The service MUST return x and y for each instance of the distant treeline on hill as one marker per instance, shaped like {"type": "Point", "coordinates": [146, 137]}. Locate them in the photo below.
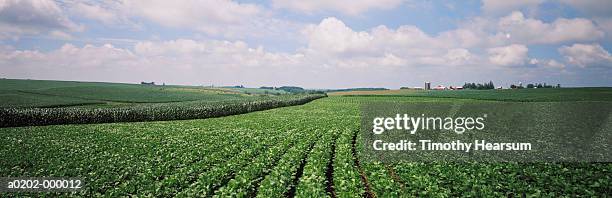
{"type": "Point", "coordinates": [488, 85]}
{"type": "Point", "coordinates": [291, 89]}
{"type": "Point", "coordinates": [357, 89]}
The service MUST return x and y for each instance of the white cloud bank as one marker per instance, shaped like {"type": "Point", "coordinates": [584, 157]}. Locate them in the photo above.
{"type": "Point", "coordinates": [381, 46]}
{"type": "Point", "coordinates": [586, 55]}
{"type": "Point", "coordinates": [335, 56]}
{"type": "Point", "coordinates": [332, 49]}
{"type": "Point", "coordinates": [532, 31]}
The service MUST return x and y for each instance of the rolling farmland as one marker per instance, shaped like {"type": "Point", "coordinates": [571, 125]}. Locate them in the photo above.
{"type": "Point", "coordinates": [308, 150]}
{"type": "Point", "coordinates": [30, 102]}
{"type": "Point", "coordinates": [290, 98]}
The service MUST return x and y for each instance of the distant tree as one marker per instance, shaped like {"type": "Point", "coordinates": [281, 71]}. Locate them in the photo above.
{"type": "Point", "coordinates": [530, 86]}
{"type": "Point", "coordinates": [292, 89]}
{"type": "Point", "coordinates": [479, 86]}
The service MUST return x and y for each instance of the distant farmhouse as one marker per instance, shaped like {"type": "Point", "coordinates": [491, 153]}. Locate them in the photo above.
{"type": "Point", "coordinates": [439, 87]}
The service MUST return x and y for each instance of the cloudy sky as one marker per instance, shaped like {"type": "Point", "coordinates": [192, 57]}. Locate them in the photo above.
{"type": "Point", "coordinates": [314, 43]}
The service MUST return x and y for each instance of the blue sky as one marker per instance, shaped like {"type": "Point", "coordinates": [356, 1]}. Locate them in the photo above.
{"type": "Point", "coordinates": [314, 44]}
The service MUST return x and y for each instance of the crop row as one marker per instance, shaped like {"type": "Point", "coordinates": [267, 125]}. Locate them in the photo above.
{"type": "Point", "coordinates": [275, 168]}
{"type": "Point", "coordinates": [381, 182]}
{"type": "Point", "coordinates": [281, 179]}
{"type": "Point", "coordinates": [347, 179]}
{"type": "Point", "coordinates": [318, 169]}
{"type": "Point", "coordinates": [210, 181]}
{"type": "Point", "coordinates": [12, 117]}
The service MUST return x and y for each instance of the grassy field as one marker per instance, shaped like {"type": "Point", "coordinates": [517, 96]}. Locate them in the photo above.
{"type": "Point", "coordinates": [305, 151]}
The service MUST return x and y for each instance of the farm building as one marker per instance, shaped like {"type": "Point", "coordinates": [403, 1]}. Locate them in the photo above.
{"type": "Point", "coordinates": [440, 87]}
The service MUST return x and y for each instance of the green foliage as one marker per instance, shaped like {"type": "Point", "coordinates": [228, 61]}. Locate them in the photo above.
{"type": "Point", "coordinates": [314, 182]}
{"type": "Point", "coordinates": [479, 86]}
{"type": "Point", "coordinates": [10, 117]}
{"type": "Point", "coordinates": [292, 89]}
{"type": "Point", "coordinates": [347, 181]}
{"type": "Point", "coordinates": [260, 154]}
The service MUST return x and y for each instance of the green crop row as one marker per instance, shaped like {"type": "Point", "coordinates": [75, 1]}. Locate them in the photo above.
{"type": "Point", "coordinates": [380, 179]}
{"type": "Point", "coordinates": [347, 181]}
{"type": "Point", "coordinates": [208, 182]}
{"type": "Point", "coordinates": [246, 180]}
{"type": "Point", "coordinates": [11, 117]}
{"type": "Point", "coordinates": [314, 181]}
{"type": "Point", "coordinates": [281, 178]}
{"type": "Point", "coordinates": [177, 174]}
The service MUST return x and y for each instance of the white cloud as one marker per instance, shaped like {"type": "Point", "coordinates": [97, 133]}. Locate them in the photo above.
{"type": "Point", "coordinates": [532, 31]}
{"type": "Point", "coordinates": [586, 55]}
{"type": "Point", "coordinates": [332, 41]}
{"type": "Point", "coordinates": [349, 7]}
{"type": "Point", "coordinates": [504, 6]}
{"type": "Point", "coordinates": [33, 17]}
{"type": "Point", "coordinates": [511, 55]}
{"type": "Point", "coordinates": [333, 36]}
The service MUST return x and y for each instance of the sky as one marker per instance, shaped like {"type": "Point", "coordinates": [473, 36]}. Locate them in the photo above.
{"type": "Point", "coordinates": [312, 44]}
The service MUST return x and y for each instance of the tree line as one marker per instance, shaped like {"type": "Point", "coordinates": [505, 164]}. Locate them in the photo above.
{"type": "Point", "coordinates": [480, 86]}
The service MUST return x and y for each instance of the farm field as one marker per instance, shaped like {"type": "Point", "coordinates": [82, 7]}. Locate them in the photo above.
{"type": "Point", "coordinates": [308, 150]}
{"type": "Point", "coordinates": [520, 95]}
{"type": "Point", "coordinates": [45, 93]}
{"type": "Point", "coordinates": [36, 102]}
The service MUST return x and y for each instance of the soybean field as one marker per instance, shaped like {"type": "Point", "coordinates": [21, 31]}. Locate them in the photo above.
{"type": "Point", "coordinates": [309, 150]}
